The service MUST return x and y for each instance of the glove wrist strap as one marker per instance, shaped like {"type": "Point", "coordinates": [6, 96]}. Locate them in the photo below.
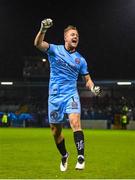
{"type": "Point", "coordinates": [43, 30]}
{"type": "Point", "coordinates": [92, 88]}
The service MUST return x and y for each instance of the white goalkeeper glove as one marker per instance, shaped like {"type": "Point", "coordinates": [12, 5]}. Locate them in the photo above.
{"type": "Point", "coordinates": [45, 24]}
{"type": "Point", "coordinates": [96, 90]}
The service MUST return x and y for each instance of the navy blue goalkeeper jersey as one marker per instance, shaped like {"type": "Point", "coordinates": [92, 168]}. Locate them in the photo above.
{"type": "Point", "coordinates": [65, 68]}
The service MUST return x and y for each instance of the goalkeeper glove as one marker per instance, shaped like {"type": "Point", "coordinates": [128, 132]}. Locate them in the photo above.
{"type": "Point", "coordinates": [96, 90]}
{"type": "Point", "coordinates": [45, 24]}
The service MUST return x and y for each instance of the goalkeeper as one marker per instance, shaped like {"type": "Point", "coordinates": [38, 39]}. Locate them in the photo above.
{"type": "Point", "coordinates": [65, 66]}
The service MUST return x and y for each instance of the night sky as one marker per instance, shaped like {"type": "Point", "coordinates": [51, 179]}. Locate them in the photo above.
{"type": "Point", "coordinates": [106, 28]}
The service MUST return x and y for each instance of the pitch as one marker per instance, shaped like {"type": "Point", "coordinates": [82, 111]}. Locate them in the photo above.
{"type": "Point", "coordinates": [30, 153]}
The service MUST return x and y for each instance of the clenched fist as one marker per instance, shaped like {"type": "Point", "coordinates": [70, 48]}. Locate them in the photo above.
{"type": "Point", "coordinates": [45, 24]}
{"type": "Point", "coordinates": [96, 90]}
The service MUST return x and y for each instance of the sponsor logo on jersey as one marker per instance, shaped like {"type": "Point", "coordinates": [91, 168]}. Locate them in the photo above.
{"type": "Point", "coordinates": [64, 64]}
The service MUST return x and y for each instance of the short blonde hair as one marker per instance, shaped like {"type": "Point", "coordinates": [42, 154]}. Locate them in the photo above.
{"type": "Point", "coordinates": [70, 27]}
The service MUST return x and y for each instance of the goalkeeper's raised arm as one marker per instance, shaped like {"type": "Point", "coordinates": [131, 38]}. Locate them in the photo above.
{"type": "Point", "coordinates": [39, 41]}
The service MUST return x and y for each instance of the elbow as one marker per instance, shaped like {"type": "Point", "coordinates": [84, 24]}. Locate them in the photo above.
{"type": "Point", "coordinates": [37, 45]}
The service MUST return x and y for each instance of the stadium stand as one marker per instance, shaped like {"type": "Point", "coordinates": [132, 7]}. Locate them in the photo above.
{"type": "Point", "coordinates": [26, 104]}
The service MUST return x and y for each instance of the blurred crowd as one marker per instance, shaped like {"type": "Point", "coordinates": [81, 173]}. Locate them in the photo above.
{"type": "Point", "coordinates": [27, 105]}
{"type": "Point", "coordinates": [32, 111]}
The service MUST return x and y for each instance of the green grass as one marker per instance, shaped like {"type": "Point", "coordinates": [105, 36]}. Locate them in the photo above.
{"type": "Point", "coordinates": [30, 153]}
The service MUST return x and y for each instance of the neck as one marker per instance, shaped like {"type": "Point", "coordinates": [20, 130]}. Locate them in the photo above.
{"type": "Point", "coordinates": [70, 49]}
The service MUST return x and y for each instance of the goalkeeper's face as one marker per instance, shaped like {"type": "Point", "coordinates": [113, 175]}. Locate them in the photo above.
{"type": "Point", "coordinates": [71, 39]}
